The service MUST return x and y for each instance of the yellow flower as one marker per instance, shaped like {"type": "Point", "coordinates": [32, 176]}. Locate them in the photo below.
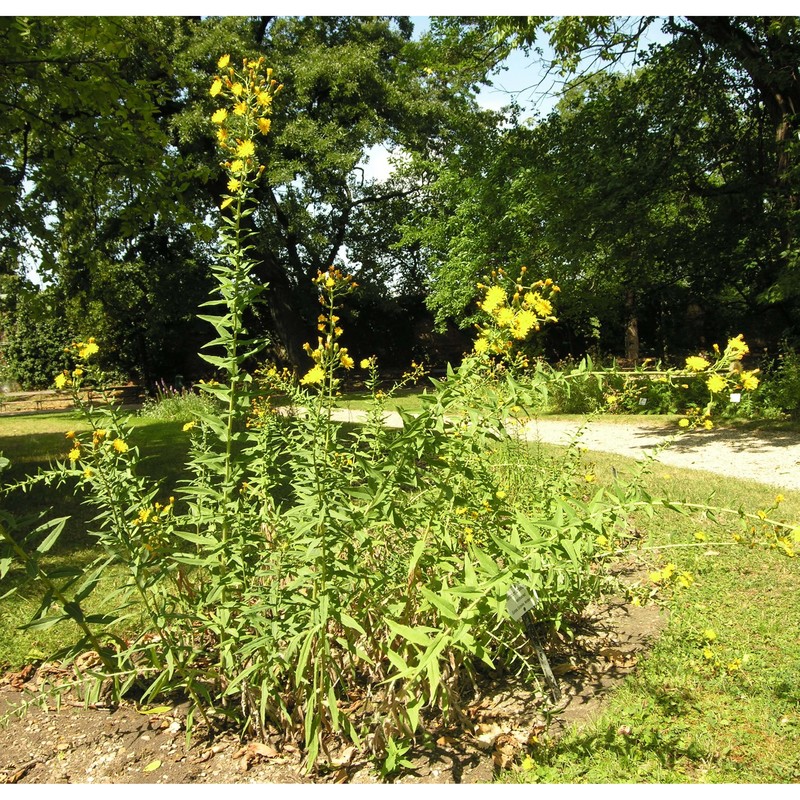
{"type": "Point", "coordinates": [696, 363]}
{"type": "Point", "coordinates": [684, 423]}
{"type": "Point", "coordinates": [87, 473]}
{"type": "Point", "coordinates": [495, 297]}
{"type": "Point", "coordinates": [738, 346]}
{"type": "Point", "coordinates": [219, 116]}
{"type": "Point", "coordinates": [778, 499]}
{"type": "Point", "coordinates": [544, 308]}
{"type": "Point", "coordinates": [223, 61]}
{"type": "Point", "coordinates": [189, 425]}
{"type": "Point", "coordinates": [246, 149]}
{"type": "Point", "coordinates": [365, 363]}
{"type": "Point", "coordinates": [234, 185]}
{"type": "Point", "coordinates": [505, 316]}
{"type": "Point", "coordinates": [264, 125]}
{"type": "Point", "coordinates": [61, 381]}
{"type": "Point", "coordinates": [523, 323]}
{"type": "Point", "coordinates": [120, 446]}
{"type": "Point", "coordinates": [590, 477]}
{"type": "Point", "coordinates": [716, 383]}
{"type": "Point", "coordinates": [76, 373]}
{"type": "Point", "coordinates": [216, 87]}
{"type": "Point", "coordinates": [237, 89]}
{"type": "Point", "coordinates": [315, 375]}
{"type": "Point", "coordinates": [69, 435]}
{"type": "Point", "coordinates": [347, 362]}
{"type": "Point", "coordinates": [749, 381]}
{"type": "Point", "coordinates": [264, 99]}
{"type": "Point", "coordinates": [74, 454]}
{"type": "Point", "coordinates": [709, 634]}
{"type": "Point", "coordinates": [708, 424]}
{"type": "Point", "coordinates": [240, 109]}
{"type": "Point", "coordinates": [89, 349]}
{"type": "Point", "coordinates": [237, 165]}
{"type": "Point", "coordinates": [222, 135]}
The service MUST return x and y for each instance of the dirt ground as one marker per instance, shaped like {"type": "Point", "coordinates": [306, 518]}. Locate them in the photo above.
{"type": "Point", "coordinates": [124, 745]}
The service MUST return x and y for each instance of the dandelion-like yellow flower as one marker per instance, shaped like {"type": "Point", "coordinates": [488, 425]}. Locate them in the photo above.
{"type": "Point", "coordinates": [222, 135]}
{"type": "Point", "coordinates": [216, 87]}
{"type": "Point", "coordinates": [219, 116]}
{"type": "Point", "coordinates": [246, 149]}
{"type": "Point", "coordinates": [524, 323]}
{"type": "Point", "coordinates": [237, 165]}
{"type": "Point", "coordinates": [708, 424]}
{"type": "Point", "coordinates": [120, 446]}
{"type": "Point", "coordinates": [346, 361]}
{"type": "Point", "coordinates": [234, 185]}
{"type": "Point", "coordinates": [365, 363]}
{"type": "Point", "coordinates": [504, 317]}
{"type": "Point", "coordinates": [481, 345]}
{"type": "Point", "coordinates": [716, 383]}
{"type": "Point", "coordinates": [87, 473]}
{"type": "Point", "coordinates": [749, 381]}
{"type": "Point", "coordinates": [240, 109]}
{"type": "Point", "coordinates": [495, 297]}
{"type": "Point", "coordinates": [74, 454]}
{"type": "Point", "coordinates": [223, 61]}
{"type": "Point", "coordinates": [684, 423]}
{"type": "Point", "coordinates": [315, 375]}
{"type": "Point", "coordinates": [738, 346]}
{"type": "Point", "coordinates": [264, 124]}
{"type": "Point", "coordinates": [237, 89]}
{"type": "Point", "coordinates": [61, 381]}
{"type": "Point", "coordinates": [189, 425]}
{"type": "Point", "coordinates": [264, 99]}
{"type": "Point", "coordinates": [697, 363]}
{"type": "Point", "coordinates": [89, 349]}
{"type": "Point", "coordinates": [544, 308]}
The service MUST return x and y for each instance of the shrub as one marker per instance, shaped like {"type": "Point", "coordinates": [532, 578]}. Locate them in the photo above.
{"type": "Point", "coordinates": [308, 570]}
{"type": "Point", "coordinates": [169, 404]}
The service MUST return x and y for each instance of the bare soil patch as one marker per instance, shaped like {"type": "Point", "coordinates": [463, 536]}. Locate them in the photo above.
{"type": "Point", "coordinates": [75, 744]}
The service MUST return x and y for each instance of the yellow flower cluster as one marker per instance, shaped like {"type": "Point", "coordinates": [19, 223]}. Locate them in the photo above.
{"type": "Point", "coordinates": [514, 316]}
{"type": "Point", "coordinates": [724, 375]}
{"type": "Point", "coordinates": [82, 351]}
{"type": "Point", "coordinates": [329, 354]}
{"type": "Point", "coordinates": [249, 93]}
{"type": "Point", "coordinates": [98, 437]}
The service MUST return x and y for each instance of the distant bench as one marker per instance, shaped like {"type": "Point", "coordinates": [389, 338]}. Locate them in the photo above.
{"type": "Point", "coordinates": [49, 400]}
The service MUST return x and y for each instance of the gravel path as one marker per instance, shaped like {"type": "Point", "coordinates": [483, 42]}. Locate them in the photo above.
{"type": "Point", "coordinates": [766, 457]}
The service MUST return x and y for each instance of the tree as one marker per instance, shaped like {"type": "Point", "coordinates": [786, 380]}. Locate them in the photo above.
{"type": "Point", "coordinates": [641, 193]}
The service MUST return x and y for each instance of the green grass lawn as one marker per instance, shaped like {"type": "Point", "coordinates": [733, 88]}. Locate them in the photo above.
{"type": "Point", "coordinates": [701, 707]}
{"type": "Point", "coordinates": [718, 698]}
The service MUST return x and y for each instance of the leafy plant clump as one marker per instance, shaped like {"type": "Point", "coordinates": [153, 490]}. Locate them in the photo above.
{"type": "Point", "coordinates": [169, 404]}
{"type": "Point", "coordinates": [314, 580]}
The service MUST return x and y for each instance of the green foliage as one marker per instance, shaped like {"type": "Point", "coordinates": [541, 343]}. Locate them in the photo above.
{"type": "Point", "coordinates": [177, 405]}
{"type": "Point", "coordinates": [36, 336]}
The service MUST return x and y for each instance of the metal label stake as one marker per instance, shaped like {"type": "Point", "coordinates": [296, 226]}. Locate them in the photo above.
{"type": "Point", "coordinates": [520, 606]}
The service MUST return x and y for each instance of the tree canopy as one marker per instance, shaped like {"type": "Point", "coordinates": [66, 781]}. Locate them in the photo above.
{"type": "Point", "coordinates": [645, 192]}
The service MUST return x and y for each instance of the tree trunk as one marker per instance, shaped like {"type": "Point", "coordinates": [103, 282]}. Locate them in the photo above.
{"type": "Point", "coordinates": [631, 329]}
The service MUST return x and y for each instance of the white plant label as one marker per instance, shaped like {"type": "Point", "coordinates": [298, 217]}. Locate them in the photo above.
{"type": "Point", "coordinates": [642, 401]}
{"type": "Point", "coordinates": [736, 397]}
{"type": "Point", "coordinates": [519, 601]}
